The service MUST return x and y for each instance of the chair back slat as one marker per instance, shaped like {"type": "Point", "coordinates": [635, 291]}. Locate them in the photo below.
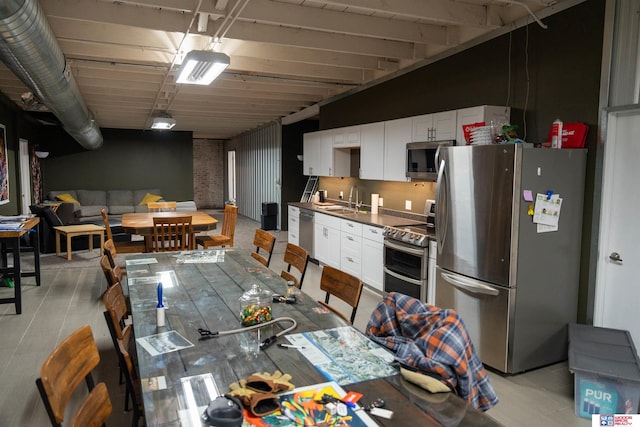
{"type": "Point", "coordinates": [298, 258]}
{"type": "Point", "coordinates": [162, 207]}
{"type": "Point", "coordinates": [113, 275]}
{"type": "Point", "coordinates": [172, 234]}
{"type": "Point", "coordinates": [265, 241]}
{"type": "Point", "coordinates": [342, 285]}
{"type": "Point", "coordinates": [227, 232]}
{"type": "Point", "coordinates": [67, 366]}
{"type": "Point", "coordinates": [229, 222]}
{"type": "Point", "coordinates": [107, 227]}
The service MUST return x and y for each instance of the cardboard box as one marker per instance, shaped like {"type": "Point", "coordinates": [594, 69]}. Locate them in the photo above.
{"type": "Point", "coordinates": [607, 371]}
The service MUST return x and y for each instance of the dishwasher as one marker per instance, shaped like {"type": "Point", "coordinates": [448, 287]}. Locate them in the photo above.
{"type": "Point", "coordinates": [306, 231]}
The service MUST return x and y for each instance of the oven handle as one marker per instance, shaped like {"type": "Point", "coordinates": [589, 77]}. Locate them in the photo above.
{"type": "Point", "coordinates": [470, 285]}
{"type": "Point", "coordinates": [403, 278]}
{"type": "Point", "coordinates": [403, 248]}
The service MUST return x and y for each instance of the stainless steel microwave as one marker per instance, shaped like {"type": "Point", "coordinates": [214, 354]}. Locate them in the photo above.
{"type": "Point", "coordinates": [421, 159]}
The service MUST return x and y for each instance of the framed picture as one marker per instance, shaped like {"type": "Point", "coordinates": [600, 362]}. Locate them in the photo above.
{"type": "Point", "coordinates": [4, 167]}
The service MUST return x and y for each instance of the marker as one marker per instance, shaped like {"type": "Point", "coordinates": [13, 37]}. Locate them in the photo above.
{"type": "Point", "coordinates": [291, 346]}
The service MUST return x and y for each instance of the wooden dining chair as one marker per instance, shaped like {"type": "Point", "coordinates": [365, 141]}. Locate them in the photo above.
{"type": "Point", "coordinates": [121, 334]}
{"type": "Point", "coordinates": [297, 257]}
{"type": "Point", "coordinates": [72, 361]}
{"type": "Point", "coordinates": [342, 285]}
{"type": "Point", "coordinates": [113, 275]}
{"type": "Point", "coordinates": [265, 241]}
{"type": "Point", "coordinates": [162, 207]}
{"type": "Point", "coordinates": [225, 238]}
{"type": "Point", "coordinates": [172, 234]}
{"type": "Point", "coordinates": [125, 247]}
{"type": "Point", "coordinates": [111, 253]}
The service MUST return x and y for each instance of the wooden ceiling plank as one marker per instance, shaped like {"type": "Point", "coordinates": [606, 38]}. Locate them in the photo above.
{"type": "Point", "coordinates": [311, 18]}
{"type": "Point", "coordinates": [445, 12]}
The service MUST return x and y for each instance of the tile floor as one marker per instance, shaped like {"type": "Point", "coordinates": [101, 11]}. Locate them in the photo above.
{"type": "Point", "coordinates": [70, 297]}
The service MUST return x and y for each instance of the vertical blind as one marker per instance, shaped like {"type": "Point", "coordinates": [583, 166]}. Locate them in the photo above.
{"type": "Point", "coordinates": [258, 165]}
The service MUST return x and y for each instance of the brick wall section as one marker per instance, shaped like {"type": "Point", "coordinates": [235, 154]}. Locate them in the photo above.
{"type": "Point", "coordinates": [208, 173]}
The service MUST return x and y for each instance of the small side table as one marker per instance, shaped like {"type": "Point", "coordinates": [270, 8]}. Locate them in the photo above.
{"type": "Point", "coordinates": [78, 230]}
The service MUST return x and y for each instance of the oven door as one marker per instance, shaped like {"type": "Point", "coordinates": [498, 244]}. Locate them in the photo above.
{"type": "Point", "coordinates": [405, 269]}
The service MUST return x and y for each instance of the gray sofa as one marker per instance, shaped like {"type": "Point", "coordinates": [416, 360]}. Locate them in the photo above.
{"type": "Point", "coordinates": [116, 202]}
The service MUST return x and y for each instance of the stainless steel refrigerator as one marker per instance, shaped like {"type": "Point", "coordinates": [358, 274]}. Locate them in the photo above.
{"type": "Point", "coordinates": [514, 283]}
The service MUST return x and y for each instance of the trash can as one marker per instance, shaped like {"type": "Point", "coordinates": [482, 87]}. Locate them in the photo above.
{"type": "Point", "coordinates": [269, 217]}
{"type": "Point", "coordinates": [606, 368]}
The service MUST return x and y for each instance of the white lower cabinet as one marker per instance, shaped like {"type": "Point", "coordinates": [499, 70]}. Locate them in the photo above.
{"type": "Point", "coordinates": [351, 247]}
{"type": "Point", "coordinates": [372, 256]}
{"type": "Point", "coordinates": [294, 225]}
{"type": "Point", "coordinates": [326, 239]}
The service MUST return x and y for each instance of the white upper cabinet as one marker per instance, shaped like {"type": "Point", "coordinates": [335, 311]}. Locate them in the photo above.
{"type": "Point", "coordinates": [396, 135]}
{"type": "Point", "coordinates": [482, 113]}
{"type": "Point", "coordinates": [434, 127]}
{"type": "Point", "coordinates": [372, 151]}
{"type": "Point", "coordinates": [346, 137]}
{"type": "Point", "coordinates": [319, 157]}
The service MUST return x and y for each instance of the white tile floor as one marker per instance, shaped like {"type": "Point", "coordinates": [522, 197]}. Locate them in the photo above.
{"type": "Point", "coordinates": [70, 297]}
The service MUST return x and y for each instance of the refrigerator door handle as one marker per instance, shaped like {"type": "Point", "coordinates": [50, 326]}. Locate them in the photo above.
{"type": "Point", "coordinates": [469, 285]}
{"type": "Point", "coordinates": [441, 208]}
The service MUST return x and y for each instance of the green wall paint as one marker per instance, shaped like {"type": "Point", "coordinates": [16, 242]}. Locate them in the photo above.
{"type": "Point", "coordinates": [128, 160]}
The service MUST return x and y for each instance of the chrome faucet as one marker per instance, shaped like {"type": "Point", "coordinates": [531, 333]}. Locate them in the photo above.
{"type": "Point", "coordinates": [353, 187]}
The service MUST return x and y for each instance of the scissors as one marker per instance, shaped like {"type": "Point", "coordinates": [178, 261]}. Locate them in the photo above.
{"type": "Point", "coordinates": [205, 334]}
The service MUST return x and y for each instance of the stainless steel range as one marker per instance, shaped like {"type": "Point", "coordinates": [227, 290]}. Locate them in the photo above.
{"type": "Point", "coordinates": [406, 257]}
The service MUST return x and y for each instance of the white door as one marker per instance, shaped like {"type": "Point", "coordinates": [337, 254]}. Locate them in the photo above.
{"type": "Point", "coordinates": [617, 295]}
{"type": "Point", "coordinates": [231, 176]}
{"type": "Point", "coordinates": [25, 176]}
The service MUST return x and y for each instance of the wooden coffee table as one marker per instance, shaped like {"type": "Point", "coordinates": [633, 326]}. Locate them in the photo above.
{"type": "Point", "coordinates": [78, 230]}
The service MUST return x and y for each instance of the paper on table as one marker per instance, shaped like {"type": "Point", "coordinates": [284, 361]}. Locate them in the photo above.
{"type": "Point", "coordinates": [165, 342]}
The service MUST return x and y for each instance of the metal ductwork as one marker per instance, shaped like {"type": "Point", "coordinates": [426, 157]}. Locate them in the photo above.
{"type": "Point", "coordinates": [29, 48]}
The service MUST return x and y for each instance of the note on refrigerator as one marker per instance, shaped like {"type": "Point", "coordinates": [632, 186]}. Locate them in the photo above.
{"type": "Point", "coordinates": [547, 212]}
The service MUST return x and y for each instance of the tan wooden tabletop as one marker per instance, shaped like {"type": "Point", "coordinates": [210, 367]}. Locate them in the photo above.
{"type": "Point", "coordinates": [142, 222]}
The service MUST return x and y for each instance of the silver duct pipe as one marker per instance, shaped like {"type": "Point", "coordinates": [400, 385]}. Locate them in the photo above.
{"type": "Point", "coordinates": [29, 48]}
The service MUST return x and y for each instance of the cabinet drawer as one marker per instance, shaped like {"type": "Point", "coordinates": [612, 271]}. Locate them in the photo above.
{"type": "Point", "coordinates": [351, 227]}
{"type": "Point", "coordinates": [328, 221]}
{"type": "Point", "coordinates": [351, 265]}
{"type": "Point", "coordinates": [294, 210]}
{"type": "Point", "coordinates": [352, 242]}
{"type": "Point", "coordinates": [371, 232]}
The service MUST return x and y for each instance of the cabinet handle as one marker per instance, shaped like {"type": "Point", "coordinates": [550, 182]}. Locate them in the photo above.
{"type": "Point", "coordinates": [350, 225]}
{"type": "Point", "coordinates": [349, 259]}
{"type": "Point", "coordinates": [350, 238]}
{"type": "Point", "coordinates": [374, 231]}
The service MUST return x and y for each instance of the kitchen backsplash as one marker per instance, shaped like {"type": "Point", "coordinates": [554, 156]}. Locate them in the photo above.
{"type": "Point", "coordinates": [394, 194]}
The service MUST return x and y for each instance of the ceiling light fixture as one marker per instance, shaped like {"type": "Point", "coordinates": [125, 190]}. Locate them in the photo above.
{"type": "Point", "coordinates": [163, 123]}
{"type": "Point", "coordinates": [201, 67]}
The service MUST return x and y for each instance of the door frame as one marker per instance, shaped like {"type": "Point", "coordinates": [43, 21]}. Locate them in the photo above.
{"type": "Point", "coordinates": [606, 211]}
{"type": "Point", "coordinates": [25, 176]}
{"type": "Point", "coordinates": [231, 176]}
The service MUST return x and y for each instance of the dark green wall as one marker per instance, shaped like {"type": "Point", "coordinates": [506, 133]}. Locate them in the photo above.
{"type": "Point", "coordinates": [563, 71]}
{"type": "Point", "coordinates": [293, 180]}
{"type": "Point", "coordinates": [128, 159]}
{"type": "Point", "coordinates": [17, 125]}
{"type": "Point", "coordinates": [554, 73]}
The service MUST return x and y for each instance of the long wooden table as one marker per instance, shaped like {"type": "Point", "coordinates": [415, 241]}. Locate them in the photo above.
{"type": "Point", "coordinates": [141, 223]}
{"type": "Point", "coordinates": [206, 295]}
